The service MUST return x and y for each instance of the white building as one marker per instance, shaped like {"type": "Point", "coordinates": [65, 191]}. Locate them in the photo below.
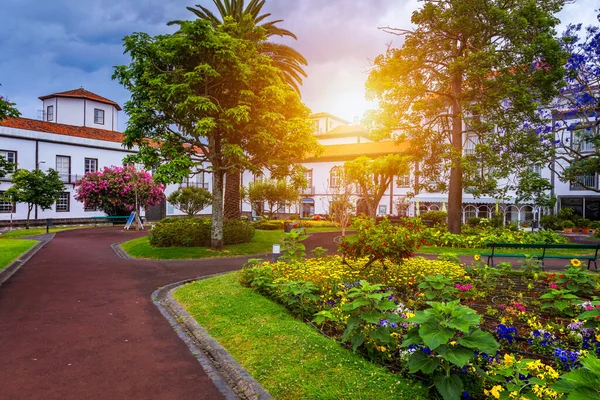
{"type": "Point", "coordinates": [77, 133]}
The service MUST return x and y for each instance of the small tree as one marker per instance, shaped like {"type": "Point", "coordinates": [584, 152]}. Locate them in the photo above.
{"type": "Point", "coordinates": [119, 190]}
{"type": "Point", "coordinates": [275, 193]}
{"type": "Point", "coordinates": [342, 200]}
{"type": "Point", "coordinates": [36, 187]}
{"type": "Point", "coordinates": [374, 176]}
{"type": "Point", "coordinates": [5, 167]}
{"type": "Point", "coordinates": [190, 200]}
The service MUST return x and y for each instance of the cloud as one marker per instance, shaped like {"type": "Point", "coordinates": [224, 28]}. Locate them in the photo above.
{"type": "Point", "coordinates": [66, 44]}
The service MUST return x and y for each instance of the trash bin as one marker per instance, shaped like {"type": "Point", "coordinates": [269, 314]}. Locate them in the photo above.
{"type": "Point", "coordinates": [535, 224]}
{"type": "Point", "coordinates": [288, 226]}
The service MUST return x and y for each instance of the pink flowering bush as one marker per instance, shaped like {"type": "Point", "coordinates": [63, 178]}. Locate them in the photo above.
{"type": "Point", "coordinates": [113, 190]}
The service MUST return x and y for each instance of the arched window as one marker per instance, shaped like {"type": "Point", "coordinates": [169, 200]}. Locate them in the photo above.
{"type": "Point", "coordinates": [334, 177]}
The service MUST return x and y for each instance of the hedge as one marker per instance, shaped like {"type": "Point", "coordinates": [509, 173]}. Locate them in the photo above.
{"type": "Point", "coordinates": [195, 232]}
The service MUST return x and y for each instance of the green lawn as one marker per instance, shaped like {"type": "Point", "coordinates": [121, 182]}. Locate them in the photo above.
{"type": "Point", "coordinates": [11, 249]}
{"type": "Point", "coordinates": [472, 252]}
{"type": "Point", "coordinates": [19, 233]}
{"type": "Point", "coordinates": [262, 243]}
{"type": "Point", "coordinates": [289, 358]}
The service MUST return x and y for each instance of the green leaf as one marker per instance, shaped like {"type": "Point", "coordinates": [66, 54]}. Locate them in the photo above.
{"type": "Point", "coordinates": [352, 323]}
{"type": "Point", "coordinates": [480, 340]}
{"type": "Point", "coordinates": [457, 355]}
{"type": "Point", "coordinates": [356, 341]}
{"type": "Point", "coordinates": [419, 361]}
{"type": "Point", "coordinates": [382, 335]}
{"type": "Point", "coordinates": [561, 304]}
{"type": "Point", "coordinates": [372, 316]}
{"type": "Point", "coordinates": [590, 314]}
{"type": "Point", "coordinates": [450, 387]}
{"type": "Point", "coordinates": [573, 380]}
{"type": "Point", "coordinates": [386, 305]}
{"type": "Point", "coordinates": [434, 335]}
{"type": "Point", "coordinates": [593, 364]}
{"type": "Point", "coordinates": [412, 338]}
{"type": "Point", "coordinates": [464, 322]}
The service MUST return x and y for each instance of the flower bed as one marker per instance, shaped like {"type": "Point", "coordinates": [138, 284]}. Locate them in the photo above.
{"type": "Point", "coordinates": [468, 332]}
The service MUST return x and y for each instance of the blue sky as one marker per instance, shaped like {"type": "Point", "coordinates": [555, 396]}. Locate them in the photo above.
{"type": "Point", "coordinates": [60, 45]}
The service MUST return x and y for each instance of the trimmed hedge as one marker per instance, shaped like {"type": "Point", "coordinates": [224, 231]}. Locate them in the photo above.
{"type": "Point", "coordinates": [195, 232]}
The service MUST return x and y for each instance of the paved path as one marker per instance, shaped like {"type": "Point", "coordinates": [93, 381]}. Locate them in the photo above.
{"type": "Point", "coordinates": [77, 322]}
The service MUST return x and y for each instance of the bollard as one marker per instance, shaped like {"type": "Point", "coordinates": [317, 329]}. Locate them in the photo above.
{"type": "Point", "coordinates": [276, 252]}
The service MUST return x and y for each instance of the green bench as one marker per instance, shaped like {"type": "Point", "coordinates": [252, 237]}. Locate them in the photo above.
{"type": "Point", "coordinates": [113, 219]}
{"type": "Point", "coordinates": [543, 247]}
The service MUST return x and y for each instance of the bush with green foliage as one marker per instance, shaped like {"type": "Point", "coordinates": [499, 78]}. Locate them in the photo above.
{"type": "Point", "coordinates": [568, 224]}
{"type": "Point", "coordinates": [195, 232]}
{"type": "Point", "coordinates": [436, 217]}
{"type": "Point", "coordinates": [550, 222]}
{"type": "Point", "coordinates": [190, 200]}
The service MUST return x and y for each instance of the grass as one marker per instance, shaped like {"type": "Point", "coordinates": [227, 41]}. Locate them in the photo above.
{"type": "Point", "coordinates": [471, 252]}
{"type": "Point", "coordinates": [11, 249]}
{"type": "Point", "coordinates": [19, 233]}
{"type": "Point", "coordinates": [289, 358]}
{"type": "Point", "coordinates": [262, 243]}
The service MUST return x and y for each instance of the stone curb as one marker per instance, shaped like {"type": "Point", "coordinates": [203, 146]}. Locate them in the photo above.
{"type": "Point", "coordinates": [13, 267]}
{"type": "Point", "coordinates": [232, 380]}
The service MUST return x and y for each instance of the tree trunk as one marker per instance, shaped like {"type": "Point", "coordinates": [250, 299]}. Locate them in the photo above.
{"type": "Point", "coordinates": [456, 178]}
{"type": "Point", "coordinates": [232, 195]}
{"type": "Point", "coordinates": [28, 215]}
{"type": "Point", "coordinates": [216, 234]}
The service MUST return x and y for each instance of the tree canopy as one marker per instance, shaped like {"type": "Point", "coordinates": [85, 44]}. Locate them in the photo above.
{"type": "Point", "coordinates": [7, 110]}
{"type": "Point", "coordinates": [275, 193]}
{"type": "Point", "coordinates": [35, 188]}
{"type": "Point", "coordinates": [206, 93]}
{"type": "Point", "coordinates": [460, 87]}
{"type": "Point", "coordinates": [373, 177]}
{"type": "Point", "coordinates": [190, 200]}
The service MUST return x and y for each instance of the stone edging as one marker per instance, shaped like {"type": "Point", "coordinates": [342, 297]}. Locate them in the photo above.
{"type": "Point", "coordinates": [13, 267]}
{"type": "Point", "coordinates": [232, 380]}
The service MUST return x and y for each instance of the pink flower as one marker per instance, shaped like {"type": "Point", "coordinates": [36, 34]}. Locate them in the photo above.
{"type": "Point", "coordinates": [553, 286]}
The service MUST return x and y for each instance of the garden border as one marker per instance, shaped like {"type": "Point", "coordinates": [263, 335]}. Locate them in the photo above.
{"type": "Point", "coordinates": [14, 266]}
{"type": "Point", "coordinates": [232, 380]}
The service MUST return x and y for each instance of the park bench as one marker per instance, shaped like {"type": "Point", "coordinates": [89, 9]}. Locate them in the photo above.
{"type": "Point", "coordinates": [543, 248]}
{"type": "Point", "coordinates": [114, 219]}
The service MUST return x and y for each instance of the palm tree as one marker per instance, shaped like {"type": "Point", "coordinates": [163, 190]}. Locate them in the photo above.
{"type": "Point", "coordinates": [284, 57]}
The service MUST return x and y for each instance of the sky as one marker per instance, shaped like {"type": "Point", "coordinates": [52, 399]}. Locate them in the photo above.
{"type": "Point", "coordinates": [49, 47]}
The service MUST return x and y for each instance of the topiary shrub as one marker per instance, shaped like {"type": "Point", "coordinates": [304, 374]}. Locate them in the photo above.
{"type": "Point", "coordinates": [195, 232]}
{"type": "Point", "coordinates": [436, 217]}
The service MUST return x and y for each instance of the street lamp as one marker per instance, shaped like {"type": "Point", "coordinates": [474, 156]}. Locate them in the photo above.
{"type": "Point", "coordinates": [37, 166]}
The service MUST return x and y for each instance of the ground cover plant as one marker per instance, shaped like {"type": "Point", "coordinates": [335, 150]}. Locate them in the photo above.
{"type": "Point", "coordinates": [262, 243]}
{"type": "Point", "coordinates": [465, 331]}
{"type": "Point", "coordinates": [290, 359]}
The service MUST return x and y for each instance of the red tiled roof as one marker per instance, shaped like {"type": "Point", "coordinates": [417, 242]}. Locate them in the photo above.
{"type": "Point", "coordinates": [81, 93]}
{"type": "Point", "coordinates": [63, 129]}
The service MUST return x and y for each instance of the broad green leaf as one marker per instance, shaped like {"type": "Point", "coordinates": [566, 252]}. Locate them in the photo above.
{"type": "Point", "coordinates": [356, 341]}
{"type": "Point", "coordinates": [464, 322]}
{"type": "Point", "coordinates": [412, 338]}
{"type": "Point", "coordinates": [386, 305]}
{"type": "Point", "coordinates": [419, 361]}
{"type": "Point", "coordinates": [372, 316]}
{"type": "Point", "coordinates": [382, 335]}
{"type": "Point", "coordinates": [457, 355]}
{"type": "Point", "coordinates": [573, 380]}
{"type": "Point", "coordinates": [434, 335]}
{"type": "Point", "coordinates": [590, 314]}
{"type": "Point", "coordinates": [480, 340]}
{"type": "Point", "coordinates": [450, 387]}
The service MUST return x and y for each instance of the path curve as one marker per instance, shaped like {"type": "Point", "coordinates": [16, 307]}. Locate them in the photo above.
{"type": "Point", "coordinates": [78, 322]}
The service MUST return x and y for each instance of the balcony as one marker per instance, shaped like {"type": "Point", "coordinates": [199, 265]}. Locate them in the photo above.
{"type": "Point", "coordinates": [201, 185]}
{"type": "Point", "coordinates": [590, 181]}
{"type": "Point", "coordinates": [309, 191]}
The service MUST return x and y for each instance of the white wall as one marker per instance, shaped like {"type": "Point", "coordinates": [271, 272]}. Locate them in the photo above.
{"type": "Point", "coordinates": [80, 112]}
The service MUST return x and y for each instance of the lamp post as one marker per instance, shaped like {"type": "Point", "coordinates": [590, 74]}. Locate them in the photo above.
{"type": "Point", "coordinates": [37, 166]}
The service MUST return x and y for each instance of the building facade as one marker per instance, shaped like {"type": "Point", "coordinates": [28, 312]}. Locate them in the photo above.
{"type": "Point", "coordinates": [76, 132]}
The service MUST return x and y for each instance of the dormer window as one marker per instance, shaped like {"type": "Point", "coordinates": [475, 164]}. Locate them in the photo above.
{"type": "Point", "coordinates": [98, 116]}
{"type": "Point", "coordinates": [50, 113]}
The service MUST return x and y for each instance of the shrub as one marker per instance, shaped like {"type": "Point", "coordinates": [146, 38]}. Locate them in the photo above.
{"type": "Point", "coordinates": [436, 217]}
{"type": "Point", "coordinates": [550, 222]}
{"type": "Point", "coordinates": [568, 224]}
{"type": "Point", "coordinates": [190, 200]}
{"type": "Point", "coordinates": [584, 223]}
{"type": "Point", "coordinates": [566, 214]}
{"type": "Point", "coordinates": [267, 225]}
{"type": "Point", "coordinates": [473, 221]}
{"type": "Point", "coordinates": [195, 232]}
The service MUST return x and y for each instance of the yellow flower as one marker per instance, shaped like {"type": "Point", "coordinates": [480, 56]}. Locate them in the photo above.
{"type": "Point", "coordinates": [575, 262]}
{"type": "Point", "coordinates": [453, 343]}
{"type": "Point", "coordinates": [477, 257]}
{"type": "Point", "coordinates": [508, 359]}
{"type": "Point", "coordinates": [495, 391]}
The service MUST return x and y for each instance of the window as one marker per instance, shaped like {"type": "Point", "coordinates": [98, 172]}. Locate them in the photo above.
{"type": "Point", "coordinates": [403, 181]}
{"type": "Point", "coordinates": [6, 205]}
{"type": "Point", "coordinates": [64, 202]}
{"type": "Point", "coordinates": [98, 116]}
{"type": "Point", "coordinates": [582, 140]}
{"type": "Point", "coordinates": [63, 166]}
{"type": "Point", "coordinates": [10, 156]}
{"type": "Point", "coordinates": [334, 177]}
{"type": "Point", "coordinates": [317, 126]}
{"type": "Point", "coordinates": [308, 175]}
{"type": "Point", "coordinates": [382, 209]}
{"type": "Point", "coordinates": [50, 113]}
{"type": "Point", "coordinates": [91, 165]}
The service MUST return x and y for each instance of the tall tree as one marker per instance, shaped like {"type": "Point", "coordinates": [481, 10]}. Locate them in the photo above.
{"type": "Point", "coordinates": [35, 188]}
{"type": "Point", "coordinates": [205, 93]}
{"type": "Point", "coordinates": [575, 115]}
{"type": "Point", "coordinates": [290, 61]}
{"type": "Point", "coordinates": [466, 77]}
{"type": "Point", "coordinates": [373, 177]}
